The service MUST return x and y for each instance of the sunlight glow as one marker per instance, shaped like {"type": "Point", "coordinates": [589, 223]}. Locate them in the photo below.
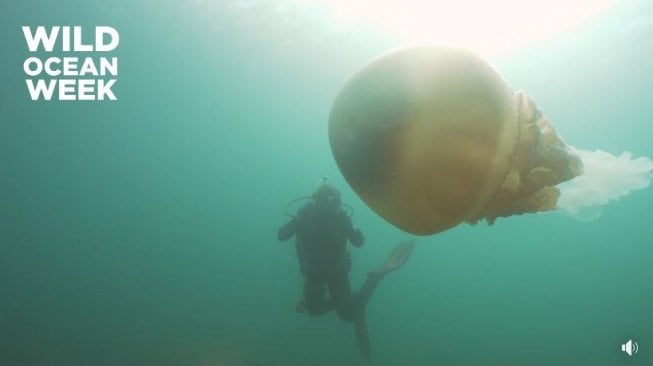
{"type": "Point", "coordinates": [488, 27]}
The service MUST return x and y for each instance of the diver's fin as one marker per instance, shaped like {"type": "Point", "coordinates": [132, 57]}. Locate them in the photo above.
{"type": "Point", "coordinates": [362, 338]}
{"type": "Point", "coordinates": [398, 257]}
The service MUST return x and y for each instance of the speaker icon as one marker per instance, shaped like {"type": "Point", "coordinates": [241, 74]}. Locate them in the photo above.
{"type": "Point", "coordinates": [630, 347]}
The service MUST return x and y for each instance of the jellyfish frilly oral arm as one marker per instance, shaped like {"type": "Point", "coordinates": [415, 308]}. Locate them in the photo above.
{"type": "Point", "coordinates": [540, 161]}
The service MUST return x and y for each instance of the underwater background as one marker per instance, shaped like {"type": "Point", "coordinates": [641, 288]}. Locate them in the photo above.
{"type": "Point", "coordinates": [143, 231]}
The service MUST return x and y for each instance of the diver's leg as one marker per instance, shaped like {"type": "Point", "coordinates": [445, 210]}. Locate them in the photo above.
{"type": "Point", "coordinates": [314, 296]}
{"type": "Point", "coordinates": [398, 257]}
{"type": "Point", "coordinates": [362, 338]}
{"type": "Point", "coordinates": [363, 295]}
{"type": "Point", "coordinates": [348, 305]}
{"type": "Point", "coordinates": [340, 293]}
{"type": "Point", "coordinates": [400, 254]}
{"type": "Point", "coordinates": [350, 309]}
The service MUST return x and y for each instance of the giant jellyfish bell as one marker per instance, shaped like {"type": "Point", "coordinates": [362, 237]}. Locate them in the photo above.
{"type": "Point", "coordinates": [430, 137]}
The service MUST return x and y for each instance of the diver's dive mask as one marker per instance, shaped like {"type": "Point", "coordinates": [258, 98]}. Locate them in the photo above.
{"type": "Point", "coordinates": [327, 197]}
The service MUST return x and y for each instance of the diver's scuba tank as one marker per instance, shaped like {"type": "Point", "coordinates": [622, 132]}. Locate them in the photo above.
{"type": "Point", "coordinates": [319, 184]}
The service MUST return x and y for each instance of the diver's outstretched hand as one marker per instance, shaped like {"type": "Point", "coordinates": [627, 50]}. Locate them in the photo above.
{"type": "Point", "coordinates": [398, 257]}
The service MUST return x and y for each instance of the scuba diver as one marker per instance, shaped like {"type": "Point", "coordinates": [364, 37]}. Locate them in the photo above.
{"type": "Point", "coordinates": [322, 229]}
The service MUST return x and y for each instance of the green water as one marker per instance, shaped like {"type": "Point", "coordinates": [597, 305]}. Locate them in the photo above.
{"type": "Point", "coordinates": [143, 231]}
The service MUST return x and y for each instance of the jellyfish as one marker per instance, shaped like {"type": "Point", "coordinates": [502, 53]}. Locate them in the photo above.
{"type": "Point", "coordinates": [431, 137]}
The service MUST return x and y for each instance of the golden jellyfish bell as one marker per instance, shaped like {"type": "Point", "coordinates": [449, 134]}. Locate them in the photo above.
{"type": "Point", "coordinates": [430, 137]}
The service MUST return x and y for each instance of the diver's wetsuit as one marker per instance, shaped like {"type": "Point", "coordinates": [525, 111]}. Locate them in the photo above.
{"type": "Point", "coordinates": [321, 240]}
